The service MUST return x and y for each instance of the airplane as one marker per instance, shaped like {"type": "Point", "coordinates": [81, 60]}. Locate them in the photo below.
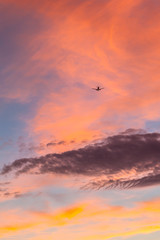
{"type": "Point", "coordinates": [98, 88]}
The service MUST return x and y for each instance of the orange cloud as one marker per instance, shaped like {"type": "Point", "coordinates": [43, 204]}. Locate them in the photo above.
{"type": "Point", "coordinates": [91, 220]}
{"type": "Point", "coordinates": [76, 46]}
{"type": "Point", "coordinates": [64, 49]}
{"type": "Point", "coordinates": [114, 44]}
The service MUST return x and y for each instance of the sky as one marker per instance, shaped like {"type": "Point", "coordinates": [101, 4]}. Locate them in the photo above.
{"type": "Point", "coordinates": [76, 163]}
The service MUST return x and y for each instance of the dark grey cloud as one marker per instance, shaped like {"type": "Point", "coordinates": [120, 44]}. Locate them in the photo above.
{"type": "Point", "coordinates": [4, 183]}
{"type": "Point", "coordinates": [8, 194]}
{"type": "Point", "coordinates": [135, 152]}
{"type": "Point", "coordinates": [12, 194]}
{"type": "Point", "coordinates": [31, 147]}
{"type": "Point", "coordinates": [132, 131]}
{"type": "Point", "coordinates": [55, 143]}
{"type": "Point", "coordinates": [123, 184]}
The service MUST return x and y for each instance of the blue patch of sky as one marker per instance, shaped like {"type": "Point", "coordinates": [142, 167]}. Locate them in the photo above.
{"type": "Point", "coordinates": [12, 126]}
{"type": "Point", "coordinates": [128, 198]}
{"type": "Point", "coordinates": [58, 197]}
{"type": "Point", "coordinates": [148, 236]}
{"type": "Point", "coordinates": [28, 202]}
{"type": "Point", "coordinates": [63, 197]}
{"type": "Point", "coordinates": [153, 126]}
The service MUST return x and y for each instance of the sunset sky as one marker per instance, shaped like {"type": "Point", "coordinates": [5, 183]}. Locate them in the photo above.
{"type": "Point", "coordinates": [77, 163]}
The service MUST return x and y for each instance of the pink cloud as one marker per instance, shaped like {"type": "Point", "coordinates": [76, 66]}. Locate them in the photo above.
{"type": "Point", "coordinates": [102, 47]}
{"type": "Point", "coordinates": [77, 46]}
{"type": "Point", "coordinates": [92, 219]}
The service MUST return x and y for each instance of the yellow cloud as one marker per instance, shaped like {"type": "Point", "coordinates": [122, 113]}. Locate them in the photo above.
{"type": "Point", "coordinates": [92, 221]}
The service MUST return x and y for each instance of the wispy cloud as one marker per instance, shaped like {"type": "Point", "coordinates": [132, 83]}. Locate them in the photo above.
{"type": "Point", "coordinates": [120, 161]}
{"type": "Point", "coordinates": [50, 48]}
{"type": "Point", "coordinates": [80, 216]}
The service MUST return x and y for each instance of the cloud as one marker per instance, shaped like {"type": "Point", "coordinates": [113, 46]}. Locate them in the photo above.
{"type": "Point", "coordinates": [142, 218]}
{"type": "Point", "coordinates": [15, 194]}
{"type": "Point", "coordinates": [111, 43]}
{"type": "Point", "coordinates": [53, 53]}
{"type": "Point", "coordinates": [27, 147]}
{"type": "Point", "coordinates": [124, 184]}
{"type": "Point", "coordinates": [119, 161]}
{"type": "Point", "coordinates": [132, 131]}
{"type": "Point", "coordinates": [5, 144]}
{"type": "Point", "coordinates": [4, 183]}
{"type": "Point", "coordinates": [19, 28]}
{"type": "Point", "coordinates": [55, 143]}
{"type": "Point", "coordinates": [6, 193]}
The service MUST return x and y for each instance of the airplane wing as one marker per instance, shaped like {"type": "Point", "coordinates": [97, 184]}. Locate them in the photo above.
{"type": "Point", "coordinates": [94, 88]}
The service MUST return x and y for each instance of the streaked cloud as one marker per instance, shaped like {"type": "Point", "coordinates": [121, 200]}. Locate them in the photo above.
{"type": "Point", "coordinates": [92, 220]}
{"type": "Point", "coordinates": [61, 50]}
{"type": "Point", "coordinates": [64, 135]}
{"type": "Point", "coordinates": [120, 161]}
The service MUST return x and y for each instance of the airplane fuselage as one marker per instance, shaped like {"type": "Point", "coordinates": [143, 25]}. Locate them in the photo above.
{"type": "Point", "coordinates": [98, 89]}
